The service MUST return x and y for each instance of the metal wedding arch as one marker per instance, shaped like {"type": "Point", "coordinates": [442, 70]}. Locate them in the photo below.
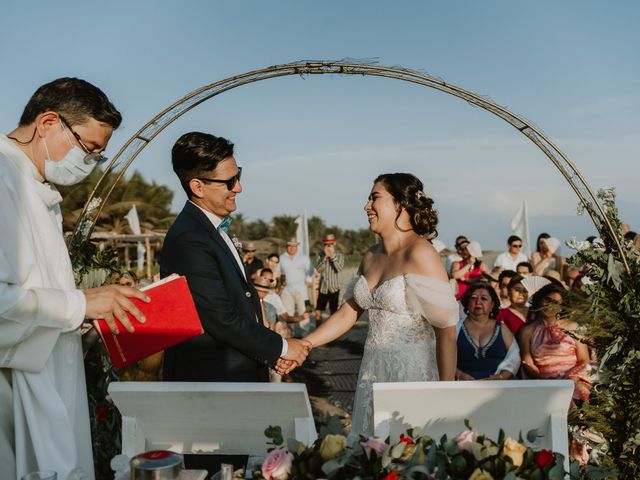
{"type": "Point", "coordinates": [132, 148]}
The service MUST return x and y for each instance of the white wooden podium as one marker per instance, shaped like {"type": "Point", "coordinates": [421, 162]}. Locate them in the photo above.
{"type": "Point", "coordinates": [441, 407]}
{"type": "Point", "coordinates": [210, 418]}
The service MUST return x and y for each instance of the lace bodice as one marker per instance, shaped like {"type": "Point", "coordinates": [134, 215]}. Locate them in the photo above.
{"type": "Point", "coordinates": [400, 345]}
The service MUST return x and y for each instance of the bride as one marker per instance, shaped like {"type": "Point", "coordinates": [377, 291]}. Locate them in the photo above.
{"type": "Point", "coordinates": [403, 286]}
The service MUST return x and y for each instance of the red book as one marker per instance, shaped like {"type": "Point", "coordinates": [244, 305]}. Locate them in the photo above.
{"type": "Point", "coordinates": [171, 318]}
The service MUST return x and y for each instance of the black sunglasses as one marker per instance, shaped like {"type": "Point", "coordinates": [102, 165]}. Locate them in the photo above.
{"type": "Point", "coordinates": [230, 182]}
{"type": "Point", "coordinates": [514, 245]}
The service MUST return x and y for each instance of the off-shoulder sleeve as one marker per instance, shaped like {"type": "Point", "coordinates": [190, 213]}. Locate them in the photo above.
{"type": "Point", "coordinates": [348, 293]}
{"type": "Point", "coordinates": [433, 299]}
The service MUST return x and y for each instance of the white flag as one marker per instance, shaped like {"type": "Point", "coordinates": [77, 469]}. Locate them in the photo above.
{"type": "Point", "coordinates": [520, 227]}
{"type": "Point", "coordinates": [302, 233]}
{"type": "Point", "coordinates": [134, 224]}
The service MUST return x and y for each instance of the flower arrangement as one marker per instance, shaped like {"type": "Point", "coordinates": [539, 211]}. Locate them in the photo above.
{"type": "Point", "coordinates": [469, 455]}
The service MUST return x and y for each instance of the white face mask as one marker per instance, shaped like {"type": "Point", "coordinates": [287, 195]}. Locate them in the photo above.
{"type": "Point", "coordinates": [73, 168]}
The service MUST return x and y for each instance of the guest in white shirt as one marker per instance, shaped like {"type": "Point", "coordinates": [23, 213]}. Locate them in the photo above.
{"type": "Point", "coordinates": [297, 269]}
{"type": "Point", "coordinates": [510, 259]}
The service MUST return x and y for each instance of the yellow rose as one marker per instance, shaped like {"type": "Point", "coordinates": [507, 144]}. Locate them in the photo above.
{"type": "Point", "coordinates": [514, 450]}
{"type": "Point", "coordinates": [331, 446]}
{"type": "Point", "coordinates": [480, 475]}
{"type": "Point", "coordinates": [408, 452]}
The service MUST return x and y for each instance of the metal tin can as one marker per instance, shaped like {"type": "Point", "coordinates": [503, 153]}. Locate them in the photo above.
{"type": "Point", "coordinates": [156, 465]}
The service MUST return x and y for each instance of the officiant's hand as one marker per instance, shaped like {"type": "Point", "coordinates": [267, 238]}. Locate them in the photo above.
{"type": "Point", "coordinates": [111, 302]}
{"type": "Point", "coordinates": [297, 350]}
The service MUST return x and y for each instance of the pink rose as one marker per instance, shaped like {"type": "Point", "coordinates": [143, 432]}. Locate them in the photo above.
{"type": "Point", "coordinates": [277, 465]}
{"type": "Point", "coordinates": [376, 444]}
{"type": "Point", "coordinates": [466, 438]}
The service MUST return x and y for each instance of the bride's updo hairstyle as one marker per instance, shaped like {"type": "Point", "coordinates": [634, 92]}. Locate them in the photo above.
{"type": "Point", "coordinates": [407, 191]}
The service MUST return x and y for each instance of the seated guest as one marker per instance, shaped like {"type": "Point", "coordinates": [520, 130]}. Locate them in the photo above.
{"type": "Point", "coordinates": [493, 279]}
{"type": "Point", "coordinates": [273, 260]}
{"type": "Point", "coordinates": [515, 316]}
{"type": "Point", "coordinates": [503, 283]}
{"type": "Point", "coordinates": [269, 315]}
{"type": "Point", "coordinates": [272, 298]}
{"type": "Point", "coordinates": [486, 348]}
{"type": "Point", "coordinates": [470, 269]}
{"type": "Point", "coordinates": [548, 350]}
{"type": "Point", "coordinates": [524, 269]}
{"type": "Point", "coordinates": [546, 256]}
{"type": "Point", "coordinates": [554, 277]}
{"type": "Point", "coordinates": [513, 256]}
{"type": "Point", "coordinates": [454, 257]}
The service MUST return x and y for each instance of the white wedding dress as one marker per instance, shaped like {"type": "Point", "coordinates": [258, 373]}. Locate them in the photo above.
{"type": "Point", "coordinates": [401, 344]}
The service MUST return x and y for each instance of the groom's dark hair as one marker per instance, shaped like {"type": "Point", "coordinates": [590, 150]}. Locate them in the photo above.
{"type": "Point", "coordinates": [197, 153]}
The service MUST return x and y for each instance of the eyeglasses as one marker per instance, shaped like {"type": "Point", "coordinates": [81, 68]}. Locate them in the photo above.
{"type": "Point", "coordinates": [96, 155]}
{"type": "Point", "coordinates": [230, 182]}
{"type": "Point", "coordinates": [516, 245]}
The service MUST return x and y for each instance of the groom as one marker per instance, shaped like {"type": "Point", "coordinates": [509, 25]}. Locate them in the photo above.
{"type": "Point", "coordinates": [235, 346]}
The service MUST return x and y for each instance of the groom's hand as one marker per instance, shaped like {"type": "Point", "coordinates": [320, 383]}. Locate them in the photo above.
{"type": "Point", "coordinates": [297, 350]}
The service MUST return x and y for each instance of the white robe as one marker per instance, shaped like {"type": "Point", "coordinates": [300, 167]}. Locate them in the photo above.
{"type": "Point", "coordinates": [44, 417]}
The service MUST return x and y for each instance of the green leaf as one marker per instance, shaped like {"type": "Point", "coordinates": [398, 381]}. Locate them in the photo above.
{"type": "Point", "coordinates": [331, 467]}
{"type": "Point", "coordinates": [431, 458]}
{"type": "Point", "coordinates": [459, 463]}
{"type": "Point", "coordinates": [533, 435]}
{"type": "Point", "coordinates": [614, 271]}
{"type": "Point", "coordinates": [556, 473]}
{"type": "Point", "coordinates": [479, 451]}
{"type": "Point", "coordinates": [397, 450]}
{"type": "Point", "coordinates": [332, 427]}
{"type": "Point", "coordinates": [574, 470]}
{"type": "Point", "coordinates": [600, 473]}
{"type": "Point", "coordinates": [451, 447]}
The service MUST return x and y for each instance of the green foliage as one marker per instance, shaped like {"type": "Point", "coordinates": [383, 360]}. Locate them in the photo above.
{"type": "Point", "coordinates": [610, 423]}
{"type": "Point", "coordinates": [152, 201]}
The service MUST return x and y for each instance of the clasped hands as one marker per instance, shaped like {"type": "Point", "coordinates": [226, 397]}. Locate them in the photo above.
{"type": "Point", "coordinates": [297, 352]}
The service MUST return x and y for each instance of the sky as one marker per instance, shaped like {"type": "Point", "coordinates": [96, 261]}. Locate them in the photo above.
{"type": "Point", "coordinates": [317, 143]}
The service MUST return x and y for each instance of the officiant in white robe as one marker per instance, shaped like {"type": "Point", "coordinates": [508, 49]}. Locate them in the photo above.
{"type": "Point", "coordinates": [44, 418]}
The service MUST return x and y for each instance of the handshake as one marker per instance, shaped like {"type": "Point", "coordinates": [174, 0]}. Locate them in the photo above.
{"type": "Point", "coordinates": [297, 352]}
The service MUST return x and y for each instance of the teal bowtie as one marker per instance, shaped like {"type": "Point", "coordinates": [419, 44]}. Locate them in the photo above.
{"type": "Point", "coordinates": [224, 225]}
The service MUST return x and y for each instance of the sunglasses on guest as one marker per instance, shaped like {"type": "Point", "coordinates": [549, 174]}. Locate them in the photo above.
{"type": "Point", "coordinates": [230, 182]}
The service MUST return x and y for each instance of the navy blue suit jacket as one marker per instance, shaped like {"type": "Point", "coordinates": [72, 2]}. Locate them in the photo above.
{"type": "Point", "coordinates": [235, 346]}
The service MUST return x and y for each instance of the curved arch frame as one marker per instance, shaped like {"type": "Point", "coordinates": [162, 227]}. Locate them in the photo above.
{"type": "Point", "coordinates": [132, 148]}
